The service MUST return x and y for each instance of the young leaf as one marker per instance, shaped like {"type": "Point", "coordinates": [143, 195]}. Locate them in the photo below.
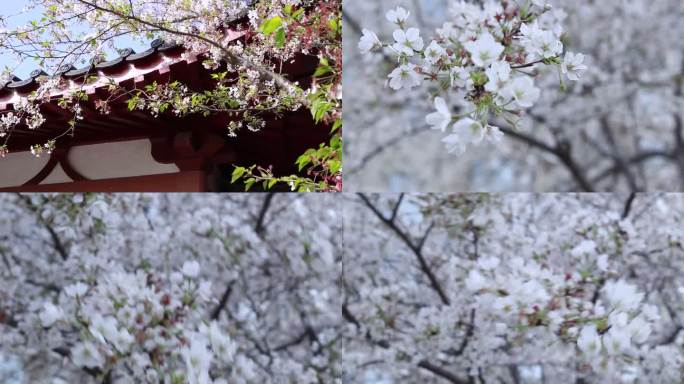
{"type": "Point", "coordinates": [270, 25]}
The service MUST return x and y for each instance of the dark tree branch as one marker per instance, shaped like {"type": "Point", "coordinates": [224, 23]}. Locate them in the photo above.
{"type": "Point", "coordinates": [618, 159]}
{"type": "Point", "coordinates": [562, 151]}
{"type": "Point", "coordinates": [415, 248]}
{"type": "Point", "coordinates": [527, 65]}
{"type": "Point", "coordinates": [469, 333]}
{"type": "Point", "coordinates": [59, 246]}
{"type": "Point", "coordinates": [424, 364]}
{"type": "Point", "coordinates": [671, 337]}
{"type": "Point", "coordinates": [678, 152]}
{"type": "Point", "coordinates": [259, 226]}
{"type": "Point", "coordinates": [222, 302]}
{"type": "Point", "coordinates": [635, 160]}
{"type": "Point", "coordinates": [308, 333]}
{"type": "Point", "coordinates": [396, 207]}
{"type": "Point", "coordinates": [229, 56]}
{"type": "Point", "coordinates": [628, 205]}
{"type": "Point", "coordinates": [94, 372]}
{"type": "Point", "coordinates": [56, 241]}
{"type": "Point", "coordinates": [441, 372]}
{"type": "Point", "coordinates": [421, 243]}
{"type": "Point", "coordinates": [349, 317]}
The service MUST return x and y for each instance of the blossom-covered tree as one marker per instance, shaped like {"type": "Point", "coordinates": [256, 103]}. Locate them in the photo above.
{"type": "Point", "coordinates": [249, 76]}
{"type": "Point", "coordinates": [170, 288]}
{"type": "Point", "coordinates": [518, 288]}
{"type": "Point", "coordinates": [594, 103]}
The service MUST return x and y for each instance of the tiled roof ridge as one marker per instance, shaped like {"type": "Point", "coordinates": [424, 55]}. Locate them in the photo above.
{"type": "Point", "coordinates": [70, 72]}
{"type": "Point", "coordinates": [126, 55]}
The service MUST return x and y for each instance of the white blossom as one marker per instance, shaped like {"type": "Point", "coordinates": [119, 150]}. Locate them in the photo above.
{"type": "Point", "coordinates": [407, 42]}
{"type": "Point", "coordinates": [622, 295]}
{"type": "Point", "coordinates": [398, 15]}
{"type": "Point", "coordinates": [369, 41]}
{"type": "Point", "coordinates": [497, 74]}
{"type": "Point", "coordinates": [523, 91]}
{"type": "Point", "coordinates": [589, 341]}
{"type": "Point", "coordinates": [405, 76]}
{"type": "Point", "coordinates": [50, 314]}
{"type": "Point", "coordinates": [573, 66]}
{"type": "Point", "coordinates": [191, 269]}
{"type": "Point", "coordinates": [440, 119]}
{"type": "Point", "coordinates": [76, 290]}
{"type": "Point", "coordinates": [485, 50]}
{"type": "Point", "coordinates": [433, 53]}
{"type": "Point", "coordinates": [86, 355]}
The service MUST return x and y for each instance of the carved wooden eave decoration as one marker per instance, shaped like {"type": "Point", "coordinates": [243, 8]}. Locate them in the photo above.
{"type": "Point", "coordinates": [135, 151]}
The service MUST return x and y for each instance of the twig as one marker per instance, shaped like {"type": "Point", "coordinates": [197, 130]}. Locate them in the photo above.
{"type": "Point", "coordinates": [441, 372]}
{"type": "Point", "coordinates": [415, 248]}
{"type": "Point", "coordinates": [562, 151]}
{"type": "Point", "coordinates": [259, 226]}
{"type": "Point", "coordinates": [628, 205]}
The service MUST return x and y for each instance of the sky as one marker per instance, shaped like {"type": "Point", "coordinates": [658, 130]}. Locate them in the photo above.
{"type": "Point", "coordinates": [14, 8]}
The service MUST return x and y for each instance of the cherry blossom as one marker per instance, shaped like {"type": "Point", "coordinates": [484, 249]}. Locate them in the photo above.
{"type": "Point", "coordinates": [573, 65]}
{"type": "Point", "coordinates": [484, 50]}
{"type": "Point", "coordinates": [404, 76]}
{"type": "Point", "coordinates": [171, 288]}
{"type": "Point", "coordinates": [398, 15]}
{"type": "Point", "coordinates": [369, 41]}
{"type": "Point", "coordinates": [51, 314]}
{"type": "Point", "coordinates": [614, 129]}
{"type": "Point", "coordinates": [407, 42]}
{"type": "Point", "coordinates": [523, 91]}
{"type": "Point", "coordinates": [442, 118]}
{"type": "Point", "coordinates": [457, 288]}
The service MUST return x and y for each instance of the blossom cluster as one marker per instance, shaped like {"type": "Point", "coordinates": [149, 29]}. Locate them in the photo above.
{"type": "Point", "coordinates": [487, 55]}
{"type": "Point", "coordinates": [26, 112]}
{"type": "Point", "coordinates": [527, 294]}
{"type": "Point", "coordinates": [146, 322]}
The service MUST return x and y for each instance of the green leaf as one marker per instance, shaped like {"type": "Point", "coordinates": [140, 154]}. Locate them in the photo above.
{"type": "Point", "coordinates": [319, 108]}
{"type": "Point", "coordinates": [237, 173]}
{"type": "Point", "coordinates": [305, 159]}
{"type": "Point", "coordinates": [336, 125]}
{"type": "Point", "coordinates": [132, 103]}
{"type": "Point", "coordinates": [323, 68]}
{"type": "Point", "coordinates": [334, 166]}
{"type": "Point", "coordinates": [333, 25]}
{"type": "Point", "coordinates": [280, 38]}
{"type": "Point", "coordinates": [270, 25]}
{"type": "Point", "coordinates": [320, 71]}
{"type": "Point", "coordinates": [336, 142]}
